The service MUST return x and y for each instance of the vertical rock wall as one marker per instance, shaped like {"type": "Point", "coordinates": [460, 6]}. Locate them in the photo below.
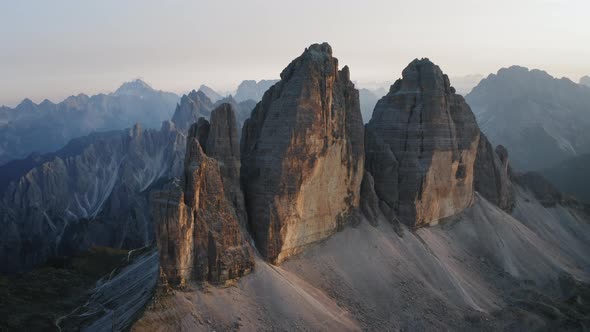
{"type": "Point", "coordinates": [303, 155]}
{"type": "Point", "coordinates": [421, 147]}
{"type": "Point", "coordinates": [197, 228]}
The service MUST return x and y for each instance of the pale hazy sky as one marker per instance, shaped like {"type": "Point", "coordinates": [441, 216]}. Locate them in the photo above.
{"type": "Point", "coordinates": [52, 49]}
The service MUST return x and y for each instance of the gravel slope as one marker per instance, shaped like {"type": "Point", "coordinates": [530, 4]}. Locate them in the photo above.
{"type": "Point", "coordinates": [483, 269]}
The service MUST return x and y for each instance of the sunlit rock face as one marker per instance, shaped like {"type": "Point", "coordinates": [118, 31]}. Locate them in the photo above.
{"type": "Point", "coordinates": [303, 155]}
{"type": "Point", "coordinates": [197, 228]}
{"type": "Point", "coordinates": [421, 147]}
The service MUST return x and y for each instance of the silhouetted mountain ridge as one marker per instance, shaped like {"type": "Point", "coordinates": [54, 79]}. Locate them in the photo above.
{"type": "Point", "coordinates": [540, 119]}
{"type": "Point", "coordinates": [22, 126]}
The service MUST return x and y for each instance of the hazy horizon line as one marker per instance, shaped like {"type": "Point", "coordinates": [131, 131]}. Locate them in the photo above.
{"type": "Point", "coordinates": [373, 85]}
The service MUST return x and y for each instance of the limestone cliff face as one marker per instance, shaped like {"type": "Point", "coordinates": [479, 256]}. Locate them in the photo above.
{"type": "Point", "coordinates": [197, 229]}
{"type": "Point", "coordinates": [303, 155]}
{"type": "Point", "coordinates": [220, 141]}
{"type": "Point", "coordinates": [491, 177]}
{"type": "Point", "coordinates": [421, 145]}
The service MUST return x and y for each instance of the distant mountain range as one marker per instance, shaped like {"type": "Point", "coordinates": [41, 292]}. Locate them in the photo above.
{"type": "Point", "coordinates": [210, 93]}
{"type": "Point", "coordinates": [46, 127]}
{"type": "Point", "coordinates": [540, 119]}
{"type": "Point", "coordinates": [251, 89]}
{"type": "Point", "coordinates": [92, 192]}
{"type": "Point", "coordinates": [368, 99]}
{"type": "Point", "coordinates": [197, 104]}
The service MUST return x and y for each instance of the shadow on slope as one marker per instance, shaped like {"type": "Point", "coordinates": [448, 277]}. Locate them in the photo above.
{"type": "Point", "coordinates": [483, 269]}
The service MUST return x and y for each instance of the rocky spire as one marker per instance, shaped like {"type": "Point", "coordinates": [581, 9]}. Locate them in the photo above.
{"type": "Point", "coordinates": [192, 106]}
{"type": "Point", "coordinates": [491, 174]}
{"type": "Point", "coordinates": [302, 155]}
{"type": "Point", "coordinates": [197, 229]}
{"type": "Point", "coordinates": [421, 145]}
{"type": "Point", "coordinates": [220, 141]}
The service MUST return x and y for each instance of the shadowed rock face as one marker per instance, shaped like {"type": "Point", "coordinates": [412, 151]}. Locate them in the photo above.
{"type": "Point", "coordinates": [303, 155]}
{"type": "Point", "coordinates": [213, 95]}
{"type": "Point", "coordinates": [197, 229]}
{"type": "Point", "coordinates": [241, 109]}
{"type": "Point", "coordinates": [421, 146]}
{"type": "Point", "coordinates": [91, 193]}
{"type": "Point", "coordinates": [491, 177]}
{"type": "Point", "coordinates": [220, 141]}
{"type": "Point", "coordinates": [192, 107]}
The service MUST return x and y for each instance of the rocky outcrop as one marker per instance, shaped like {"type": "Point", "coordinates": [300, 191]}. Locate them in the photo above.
{"type": "Point", "coordinates": [221, 142]}
{"type": "Point", "coordinates": [242, 109]}
{"type": "Point", "coordinates": [491, 177]}
{"type": "Point", "coordinates": [302, 155]}
{"type": "Point", "coordinates": [91, 193]}
{"type": "Point", "coordinates": [197, 230]}
{"type": "Point", "coordinates": [369, 202]}
{"type": "Point", "coordinates": [421, 145]}
{"type": "Point", "coordinates": [192, 107]}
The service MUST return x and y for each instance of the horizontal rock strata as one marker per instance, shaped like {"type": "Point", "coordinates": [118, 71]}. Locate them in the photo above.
{"type": "Point", "coordinates": [302, 155]}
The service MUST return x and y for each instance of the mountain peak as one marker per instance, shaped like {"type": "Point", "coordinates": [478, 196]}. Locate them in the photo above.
{"type": "Point", "coordinates": [315, 55]}
{"type": "Point", "coordinates": [26, 103]}
{"type": "Point", "coordinates": [320, 48]}
{"type": "Point", "coordinates": [516, 72]}
{"type": "Point", "coordinates": [191, 107]}
{"type": "Point", "coordinates": [585, 80]}
{"type": "Point", "coordinates": [209, 92]}
{"type": "Point", "coordinates": [306, 121]}
{"type": "Point", "coordinates": [422, 75]}
{"type": "Point", "coordinates": [134, 88]}
{"type": "Point", "coordinates": [198, 96]}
